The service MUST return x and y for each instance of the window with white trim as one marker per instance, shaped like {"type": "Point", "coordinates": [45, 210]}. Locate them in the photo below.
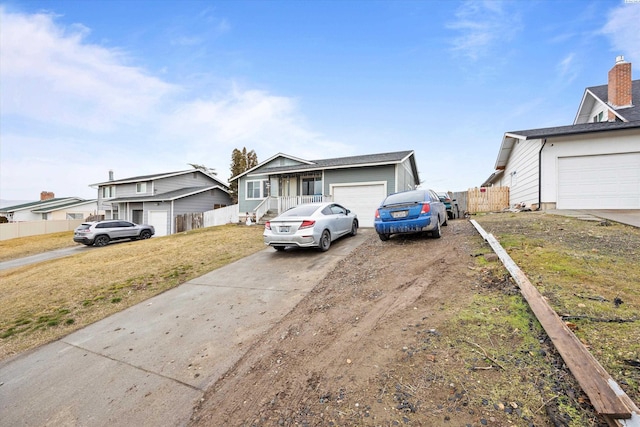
{"type": "Point", "coordinates": [256, 189]}
{"type": "Point", "coordinates": [141, 187]}
{"type": "Point", "coordinates": [108, 191]}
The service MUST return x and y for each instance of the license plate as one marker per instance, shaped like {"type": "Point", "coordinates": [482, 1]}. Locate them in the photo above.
{"type": "Point", "coordinates": [399, 214]}
{"type": "Point", "coordinates": [284, 229]}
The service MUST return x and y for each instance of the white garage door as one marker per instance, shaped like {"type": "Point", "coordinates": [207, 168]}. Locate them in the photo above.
{"type": "Point", "coordinates": [361, 199]}
{"type": "Point", "coordinates": [609, 181]}
{"type": "Point", "coordinates": [159, 221]}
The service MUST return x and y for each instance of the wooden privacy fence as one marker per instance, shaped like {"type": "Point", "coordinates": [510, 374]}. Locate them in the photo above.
{"type": "Point", "coordinates": [189, 221]}
{"type": "Point", "coordinates": [487, 199]}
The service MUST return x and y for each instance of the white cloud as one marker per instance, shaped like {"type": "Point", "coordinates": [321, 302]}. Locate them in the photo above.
{"type": "Point", "coordinates": [482, 25]}
{"type": "Point", "coordinates": [623, 30]}
{"type": "Point", "coordinates": [72, 110]}
{"type": "Point", "coordinates": [566, 68]}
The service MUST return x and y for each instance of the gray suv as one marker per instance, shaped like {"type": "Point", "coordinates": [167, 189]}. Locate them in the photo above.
{"type": "Point", "coordinates": [100, 233]}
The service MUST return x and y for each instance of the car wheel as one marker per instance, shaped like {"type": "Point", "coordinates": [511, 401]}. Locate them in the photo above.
{"type": "Point", "coordinates": [145, 234]}
{"type": "Point", "coordinates": [325, 241]}
{"type": "Point", "coordinates": [354, 228]}
{"type": "Point", "coordinates": [279, 248]}
{"type": "Point", "coordinates": [438, 231]}
{"type": "Point", "coordinates": [384, 237]}
{"type": "Point", "coordinates": [101, 241]}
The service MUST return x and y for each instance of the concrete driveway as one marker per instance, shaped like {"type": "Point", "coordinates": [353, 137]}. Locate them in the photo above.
{"type": "Point", "coordinates": [149, 365]}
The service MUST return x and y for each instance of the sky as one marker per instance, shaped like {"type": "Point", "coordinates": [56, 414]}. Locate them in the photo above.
{"type": "Point", "coordinates": [144, 87]}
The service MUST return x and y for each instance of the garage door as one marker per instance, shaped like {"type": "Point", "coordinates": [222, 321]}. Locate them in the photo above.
{"type": "Point", "coordinates": [159, 221]}
{"type": "Point", "coordinates": [361, 199]}
{"type": "Point", "coordinates": [599, 182]}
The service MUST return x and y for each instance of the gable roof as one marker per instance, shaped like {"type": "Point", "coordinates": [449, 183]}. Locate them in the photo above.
{"type": "Point", "coordinates": [50, 204]}
{"type": "Point", "coordinates": [337, 163]}
{"type": "Point", "coordinates": [600, 94]}
{"type": "Point", "coordinates": [270, 159]}
{"type": "Point", "coordinates": [170, 195]}
{"type": "Point", "coordinates": [152, 177]}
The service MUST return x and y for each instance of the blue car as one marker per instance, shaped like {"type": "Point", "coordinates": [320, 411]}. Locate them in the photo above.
{"type": "Point", "coordinates": [412, 211]}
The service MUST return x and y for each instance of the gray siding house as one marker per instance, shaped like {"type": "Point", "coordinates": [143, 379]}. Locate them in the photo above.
{"type": "Point", "coordinates": [592, 164]}
{"type": "Point", "coordinates": [360, 183]}
{"type": "Point", "coordinates": [158, 199]}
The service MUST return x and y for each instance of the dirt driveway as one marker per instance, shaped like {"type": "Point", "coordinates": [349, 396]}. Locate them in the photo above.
{"type": "Point", "coordinates": [340, 357]}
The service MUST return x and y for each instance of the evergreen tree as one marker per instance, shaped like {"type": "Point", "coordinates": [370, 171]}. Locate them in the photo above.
{"type": "Point", "coordinates": [241, 161]}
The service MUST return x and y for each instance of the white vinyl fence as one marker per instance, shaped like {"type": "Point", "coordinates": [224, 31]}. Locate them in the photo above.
{"type": "Point", "coordinates": [221, 216]}
{"type": "Point", "coordinates": [12, 230]}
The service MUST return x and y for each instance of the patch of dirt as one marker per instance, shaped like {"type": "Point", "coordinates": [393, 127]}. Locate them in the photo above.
{"type": "Point", "coordinates": [374, 344]}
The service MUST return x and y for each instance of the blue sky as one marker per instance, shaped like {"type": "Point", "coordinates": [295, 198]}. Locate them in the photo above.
{"type": "Point", "coordinates": [142, 87]}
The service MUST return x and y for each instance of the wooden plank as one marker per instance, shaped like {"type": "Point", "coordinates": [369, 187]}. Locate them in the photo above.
{"type": "Point", "coordinates": [605, 394]}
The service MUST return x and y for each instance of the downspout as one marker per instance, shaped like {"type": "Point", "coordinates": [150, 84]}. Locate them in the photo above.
{"type": "Point", "coordinates": [171, 220]}
{"type": "Point", "coordinates": [544, 142]}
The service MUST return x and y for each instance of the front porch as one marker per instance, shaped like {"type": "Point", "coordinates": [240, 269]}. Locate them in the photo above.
{"type": "Point", "coordinates": [275, 205]}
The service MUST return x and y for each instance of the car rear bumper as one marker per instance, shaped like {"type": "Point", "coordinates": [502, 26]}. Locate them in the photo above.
{"type": "Point", "coordinates": [301, 241]}
{"type": "Point", "coordinates": [404, 226]}
{"type": "Point", "coordinates": [84, 240]}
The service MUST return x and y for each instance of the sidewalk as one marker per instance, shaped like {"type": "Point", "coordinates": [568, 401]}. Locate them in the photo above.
{"type": "Point", "coordinates": [623, 216]}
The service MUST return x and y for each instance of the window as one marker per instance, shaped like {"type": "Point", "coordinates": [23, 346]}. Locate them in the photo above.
{"type": "Point", "coordinates": [141, 187]}
{"type": "Point", "coordinates": [108, 191]}
{"type": "Point", "coordinates": [257, 189]}
{"type": "Point", "coordinates": [312, 186]}
{"type": "Point", "coordinates": [74, 215]}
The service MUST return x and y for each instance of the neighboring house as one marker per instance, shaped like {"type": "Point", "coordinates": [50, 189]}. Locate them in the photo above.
{"type": "Point", "coordinates": [592, 164]}
{"type": "Point", "coordinates": [158, 199]}
{"type": "Point", "coordinates": [61, 208]}
{"type": "Point", "coordinates": [360, 183]}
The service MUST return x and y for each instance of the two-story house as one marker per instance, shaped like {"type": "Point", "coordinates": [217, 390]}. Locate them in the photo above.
{"type": "Point", "coordinates": [592, 164]}
{"type": "Point", "coordinates": [158, 199]}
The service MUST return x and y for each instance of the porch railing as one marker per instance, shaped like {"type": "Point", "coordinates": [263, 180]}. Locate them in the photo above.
{"type": "Point", "coordinates": [281, 204]}
{"type": "Point", "coordinates": [288, 202]}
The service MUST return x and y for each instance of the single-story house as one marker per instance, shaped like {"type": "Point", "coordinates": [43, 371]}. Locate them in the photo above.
{"type": "Point", "coordinates": [60, 208]}
{"type": "Point", "coordinates": [360, 183]}
{"type": "Point", "coordinates": [592, 164]}
{"type": "Point", "coordinates": [158, 199]}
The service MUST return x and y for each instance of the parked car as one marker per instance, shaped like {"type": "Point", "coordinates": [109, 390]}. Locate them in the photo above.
{"type": "Point", "coordinates": [100, 233]}
{"type": "Point", "coordinates": [448, 204]}
{"type": "Point", "coordinates": [411, 211]}
{"type": "Point", "coordinates": [310, 225]}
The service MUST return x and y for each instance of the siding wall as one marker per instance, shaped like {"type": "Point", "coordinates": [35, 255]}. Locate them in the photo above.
{"type": "Point", "coordinates": [521, 173]}
{"type": "Point", "coordinates": [364, 174]}
{"type": "Point", "coordinates": [405, 180]}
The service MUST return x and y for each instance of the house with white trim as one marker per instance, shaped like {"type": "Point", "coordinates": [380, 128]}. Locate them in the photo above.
{"type": "Point", "coordinates": [592, 164]}
{"type": "Point", "coordinates": [159, 198]}
{"type": "Point", "coordinates": [359, 183]}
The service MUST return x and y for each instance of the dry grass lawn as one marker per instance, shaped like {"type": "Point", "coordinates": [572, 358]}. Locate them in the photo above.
{"type": "Point", "coordinates": [42, 302]}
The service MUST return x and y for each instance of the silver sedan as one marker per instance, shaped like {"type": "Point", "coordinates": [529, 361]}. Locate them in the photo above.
{"type": "Point", "coordinates": [310, 225]}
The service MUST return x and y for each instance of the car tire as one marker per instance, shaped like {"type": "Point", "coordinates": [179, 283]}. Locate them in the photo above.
{"type": "Point", "coordinates": [438, 231]}
{"type": "Point", "coordinates": [279, 248]}
{"type": "Point", "coordinates": [325, 241]}
{"type": "Point", "coordinates": [145, 234]}
{"type": "Point", "coordinates": [354, 228]}
{"type": "Point", "coordinates": [101, 241]}
{"type": "Point", "coordinates": [384, 237]}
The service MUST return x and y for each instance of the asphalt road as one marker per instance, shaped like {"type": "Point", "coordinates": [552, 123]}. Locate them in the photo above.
{"type": "Point", "coordinates": [149, 365]}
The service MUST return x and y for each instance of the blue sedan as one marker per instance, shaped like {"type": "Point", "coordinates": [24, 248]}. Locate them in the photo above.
{"type": "Point", "coordinates": [412, 211]}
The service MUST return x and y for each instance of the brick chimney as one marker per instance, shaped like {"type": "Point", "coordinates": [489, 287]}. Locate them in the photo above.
{"type": "Point", "coordinates": [619, 85]}
{"type": "Point", "coordinates": [46, 195]}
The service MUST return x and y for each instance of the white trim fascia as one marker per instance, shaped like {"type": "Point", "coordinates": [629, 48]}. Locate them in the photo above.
{"type": "Point", "coordinates": [275, 156]}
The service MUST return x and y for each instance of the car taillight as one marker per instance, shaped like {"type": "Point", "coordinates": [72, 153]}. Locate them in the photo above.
{"type": "Point", "coordinates": [307, 224]}
{"type": "Point", "coordinates": [377, 214]}
{"type": "Point", "coordinates": [267, 225]}
{"type": "Point", "coordinates": [426, 207]}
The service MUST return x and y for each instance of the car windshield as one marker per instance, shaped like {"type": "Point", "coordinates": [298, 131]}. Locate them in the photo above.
{"type": "Point", "coordinates": [405, 197]}
{"type": "Point", "coordinates": [302, 210]}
